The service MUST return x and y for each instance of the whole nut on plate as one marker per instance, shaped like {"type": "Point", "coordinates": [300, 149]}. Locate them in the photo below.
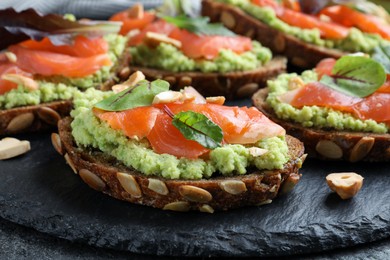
{"type": "Point", "coordinates": [345, 184]}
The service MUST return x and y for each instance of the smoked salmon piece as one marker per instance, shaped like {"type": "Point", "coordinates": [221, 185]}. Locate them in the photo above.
{"type": "Point", "coordinates": [317, 94]}
{"type": "Point", "coordinates": [134, 122]}
{"type": "Point", "coordinates": [159, 26]}
{"type": "Point", "coordinates": [129, 23]}
{"type": "Point", "coordinates": [50, 63]}
{"type": "Point", "coordinates": [375, 106]}
{"type": "Point", "coordinates": [166, 138]}
{"type": "Point", "coordinates": [348, 17]}
{"type": "Point", "coordinates": [328, 30]}
{"type": "Point", "coordinates": [239, 126]}
{"type": "Point", "coordinates": [196, 46]}
{"type": "Point", "coordinates": [82, 46]}
{"type": "Point", "coordinates": [325, 67]}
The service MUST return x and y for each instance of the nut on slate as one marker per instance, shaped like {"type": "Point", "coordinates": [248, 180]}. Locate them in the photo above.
{"type": "Point", "coordinates": [345, 184]}
{"type": "Point", "coordinates": [12, 147]}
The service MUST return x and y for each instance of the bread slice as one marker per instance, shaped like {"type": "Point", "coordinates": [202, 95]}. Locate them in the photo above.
{"type": "Point", "coordinates": [106, 174]}
{"type": "Point", "coordinates": [329, 144]}
{"type": "Point", "coordinates": [232, 85]}
{"type": "Point", "coordinates": [298, 52]}
{"type": "Point", "coordinates": [46, 115]}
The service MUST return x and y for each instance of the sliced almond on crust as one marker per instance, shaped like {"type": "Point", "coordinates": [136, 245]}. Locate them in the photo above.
{"type": "Point", "coordinates": [361, 148]}
{"type": "Point", "coordinates": [329, 149]}
{"type": "Point", "coordinates": [158, 186]}
{"type": "Point", "coordinates": [195, 194]}
{"type": "Point", "coordinates": [20, 122]}
{"type": "Point", "coordinates": [234, 187]}
{"type": "Point", "coordinates": [129, 184]}
{"type": "Point", "coordinates": [92, 180]}
{"type": "Point", "coordinates": [182, 206]}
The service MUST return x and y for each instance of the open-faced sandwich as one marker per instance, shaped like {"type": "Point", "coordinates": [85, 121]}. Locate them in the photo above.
{"type": "Point", "coordinates": [191, 51]}
{"type": "Point", "coordinates": [177, 150]}
{"type": "Point", "coordinates": [305, 31]}
{"type": "Point", "coordinates": [340, 110]}
{"type": "Point", "coordinates": [38, 78]}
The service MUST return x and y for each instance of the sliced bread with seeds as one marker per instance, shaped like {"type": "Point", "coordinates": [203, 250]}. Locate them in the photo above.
{"type": "Point", "coordinates": [173, 150]}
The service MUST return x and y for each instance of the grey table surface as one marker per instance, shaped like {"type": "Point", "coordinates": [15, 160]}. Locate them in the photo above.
{"type": "Point", "coordinates": [19, 242]}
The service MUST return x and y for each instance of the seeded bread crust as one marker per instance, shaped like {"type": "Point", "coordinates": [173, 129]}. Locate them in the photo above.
{"type": "Point", "coordinates": [231, 85]}
{"type": "Point", "coordinates": [299, 53]}
{"type": "Point", "coordinates": [328, 144]}
{"type": "Point", "coordinates": [109, 176]}
{"type": "Point", "coordinates": [46, 115]}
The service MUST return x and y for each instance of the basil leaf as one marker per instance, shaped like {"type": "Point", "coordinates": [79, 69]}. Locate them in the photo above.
{"type": "Point", "coordinates": [382, 55]}
{"type": "Point", "coordinates": [199, 25]}
{"type": "Point", "coordinates": [198, 127]}
{"type": "Point", "coordinates": [141, 94]}
{"type": "Point", "coordinates": [356, 76]}
{"type": "Point", "coordinates": [29, 24]}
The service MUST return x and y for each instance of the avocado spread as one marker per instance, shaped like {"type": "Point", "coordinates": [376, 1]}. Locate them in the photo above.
{"type": "Point", "coordinates": [60, 88]}
{"type": "Point", "coordinates": [168, 57]}
{"type": "Point", "coordinates": [231, 159]}
{"type": "Point", "coordinates": [356, 41]}
{"type": "Point", "coordinates": [315, 116]}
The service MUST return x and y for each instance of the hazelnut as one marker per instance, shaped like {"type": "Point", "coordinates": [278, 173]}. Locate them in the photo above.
{"type": "Point", "coordinates": [345, 184]}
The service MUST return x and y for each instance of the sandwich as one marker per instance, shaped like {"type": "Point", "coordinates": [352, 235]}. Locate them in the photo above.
{"type": "Point", "coordinates": [50, 60]}
{"type": "Point", "coordinates": [177, 150]}
{"type": "Point", "coordinates": [305, 31]}
{"type": "Point", "coordinates": [340, 110]}
{"type": "Point", "coordinates": [191, 51]}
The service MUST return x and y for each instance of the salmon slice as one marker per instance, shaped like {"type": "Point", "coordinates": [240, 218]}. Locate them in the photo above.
{"type": "Point", "coordinates": [349, 17]}
{"type": "Point", "coordinates": [129, 24]}
{"type": "Point", "coordinates": [82, 46]}
{"type": "Point", "coordinates": [9, 68]}
{"type": "Point", "coordinates": [375, 106]}
{"type": "Point", "coordinates": [196, 46]}
{"type": "Point", "coordinates": [317, 94]}
{"type": "Point", "coordinates": [159, 26]}
{"type": "Point", "coordinates": [328, 30]}
{"type": "Point", "coordinates": [166, 138]}
{"type": "Point", "coordinates": [49, 63]}
{"type": "Point", "coordinates": [134, 122]}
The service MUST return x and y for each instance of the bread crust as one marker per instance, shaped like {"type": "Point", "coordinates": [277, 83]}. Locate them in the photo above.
{"type": "Point", "coordinates": [45, 116]}
{"type": "Point", "coordinates": [298, 52]}
{"type": "Point", "coordinates": [330, 144]}
{"type": "Point", "coordinates": [219, 193]}
{"type": "Point", "coordinates": [232, 85]}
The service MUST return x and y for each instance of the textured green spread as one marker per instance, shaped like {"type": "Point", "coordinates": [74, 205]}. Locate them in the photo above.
{"type": "Point", "coordinates": [356, 41]}
{"type": "Point", "coordinates": [315, 116]}
{"type": "Point", "coordinates": [168, 57]}
{"type": "Point", "coordinates": [59, 88]}
{"type": "Point", "coordinates": [89, 131]}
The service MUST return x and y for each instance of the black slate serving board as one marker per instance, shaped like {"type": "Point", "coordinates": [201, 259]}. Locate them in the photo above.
{"type": "Point", "coordinates": [39, 190]}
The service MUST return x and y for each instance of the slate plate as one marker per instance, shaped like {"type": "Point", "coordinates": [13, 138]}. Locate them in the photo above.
{"type": "Point", "coordinates": [39, 190]}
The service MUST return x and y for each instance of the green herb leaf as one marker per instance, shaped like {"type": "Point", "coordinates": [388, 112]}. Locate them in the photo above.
{"type": "Point", "coordinates": [198, 127]}
{"type": "Point", "coordinates": [199, 25]}
{"type": "Point", "coordinates": [382, 55]}
{"type": "Point", "coordinates": [141, 94]}
{"type": "Point", "coordinates": [29, 24]}
{"type": "Point", "coordinates": [356, 76]}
